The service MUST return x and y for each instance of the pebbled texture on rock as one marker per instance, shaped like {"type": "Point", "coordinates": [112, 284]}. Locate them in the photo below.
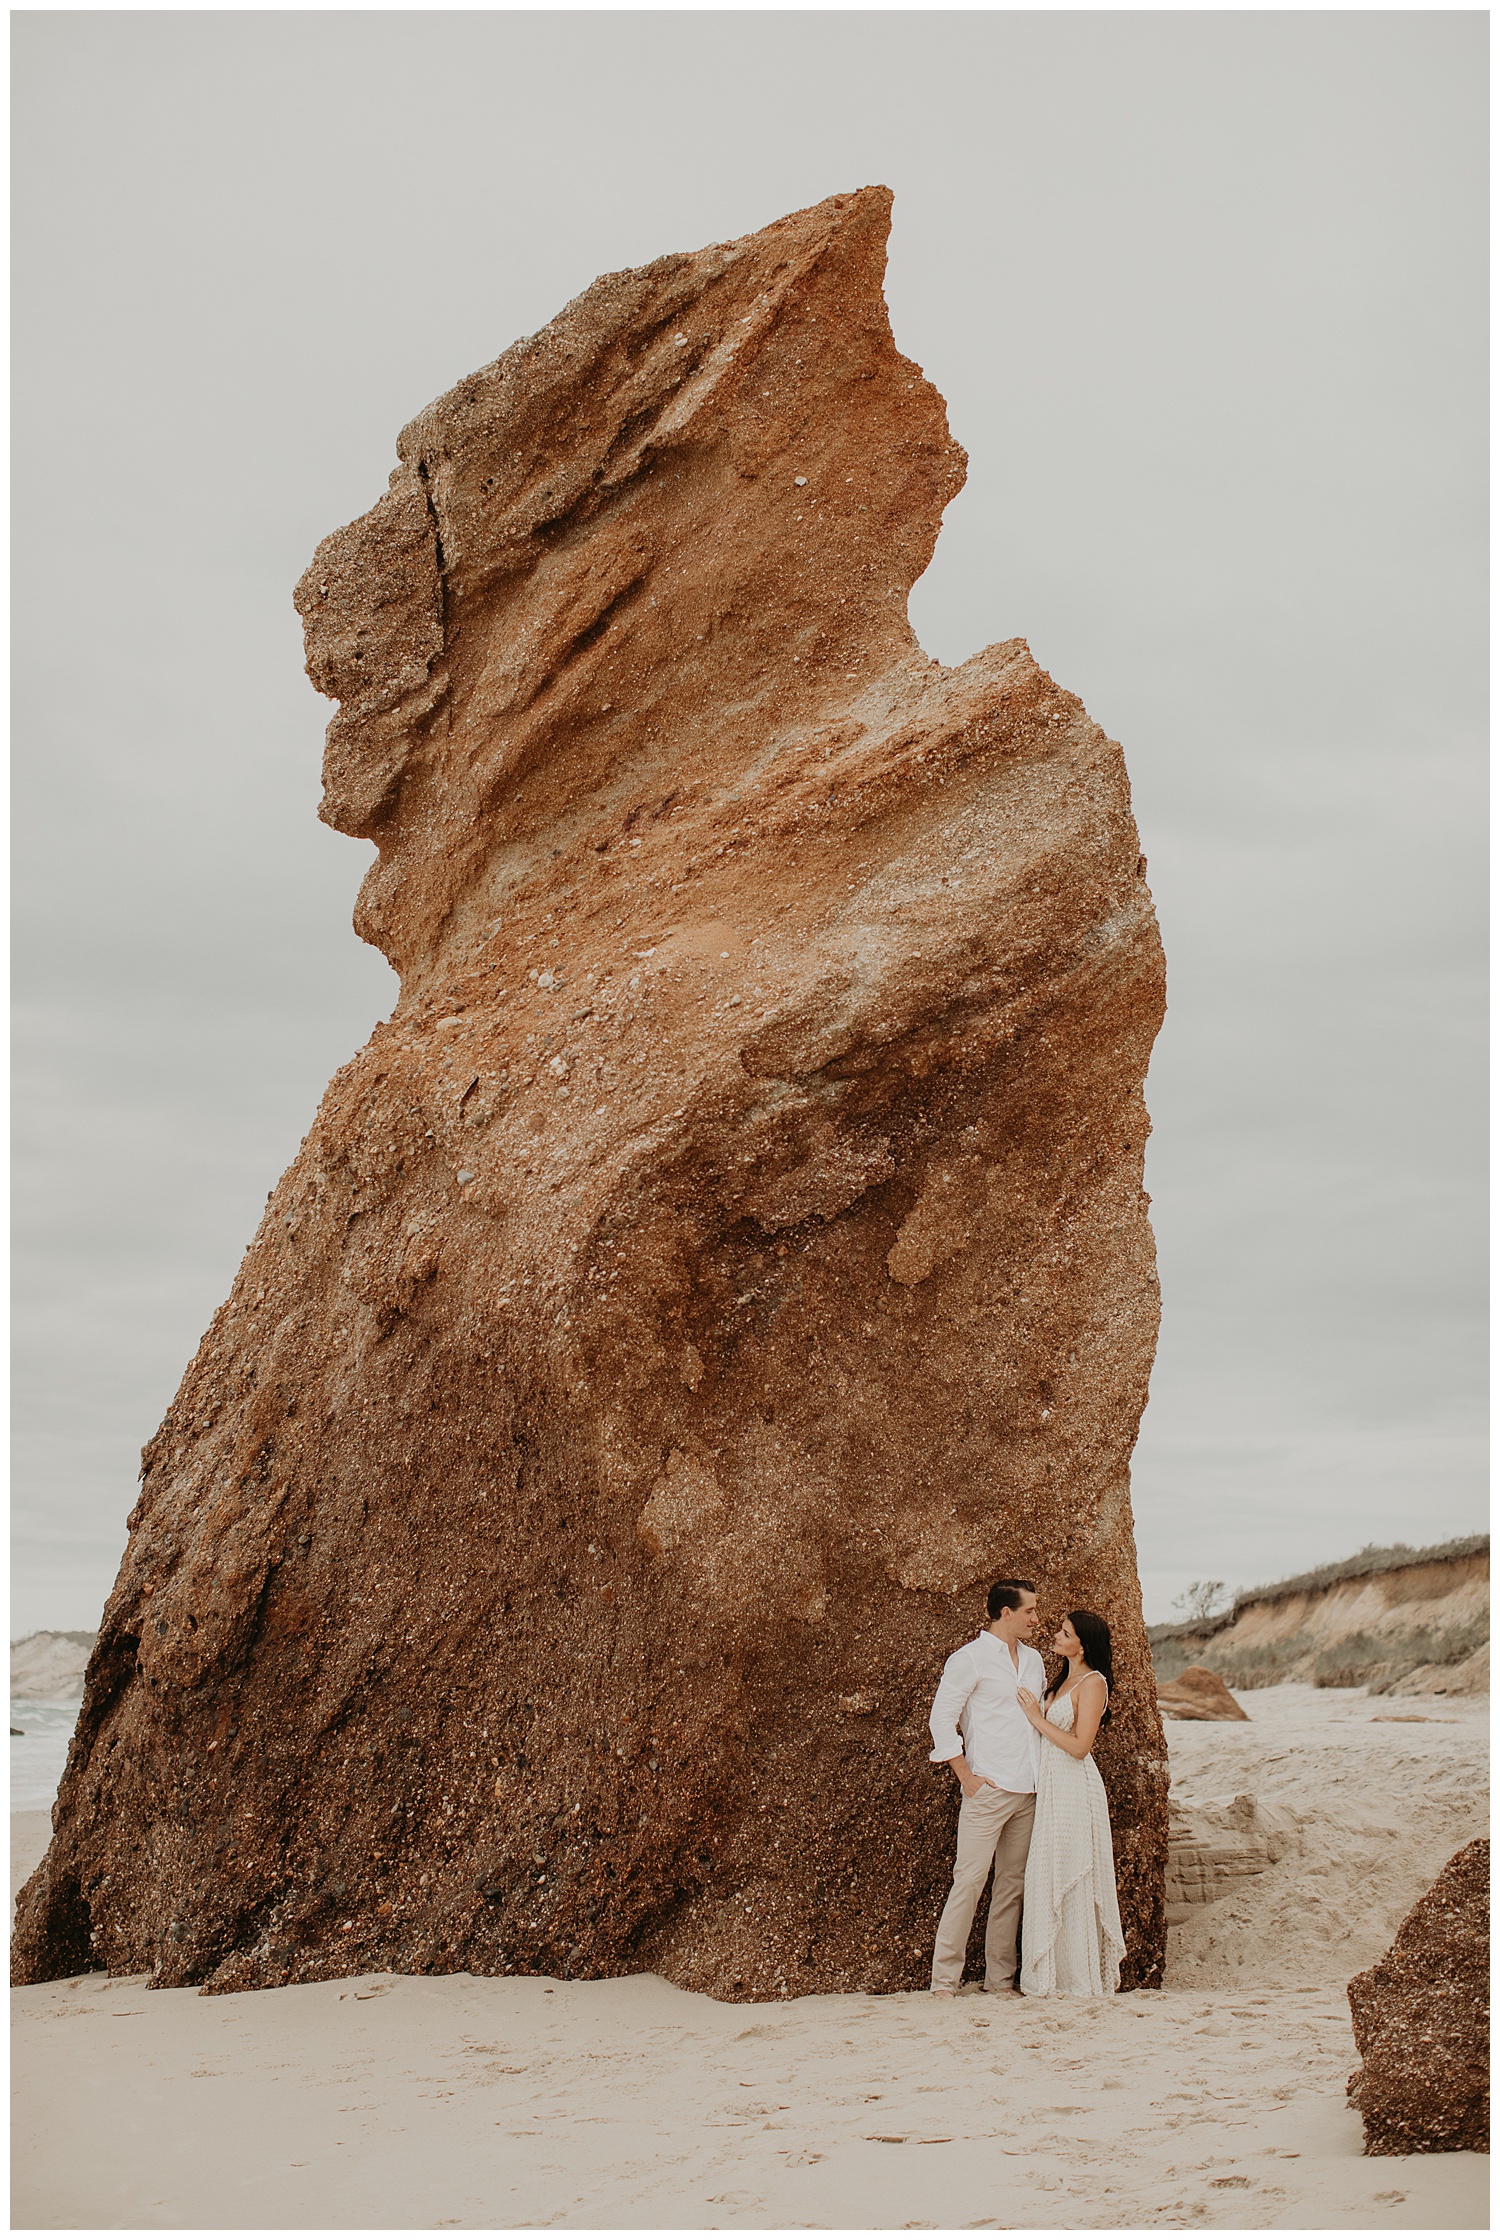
{"type": "Point", "coordinates": [729, 1256]}
{"type": "Point", "coordinates": [1422, 2021]}
{"type": "Point", "coordinates": [1198, 1693]}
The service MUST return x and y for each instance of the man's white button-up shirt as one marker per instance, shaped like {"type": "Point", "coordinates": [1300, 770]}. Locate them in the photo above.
{"type": "Point", "coordinates": [975, 1711]}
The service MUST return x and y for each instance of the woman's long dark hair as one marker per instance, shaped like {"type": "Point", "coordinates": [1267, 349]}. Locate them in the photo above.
{"type": "Point", "coordinates": [1093, 1633]}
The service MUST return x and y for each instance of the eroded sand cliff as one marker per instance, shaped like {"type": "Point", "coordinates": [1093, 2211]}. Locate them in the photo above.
{"type": "Point", "coordinates": [1408, 1621]}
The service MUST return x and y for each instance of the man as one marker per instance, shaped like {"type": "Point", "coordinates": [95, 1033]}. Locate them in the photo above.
{"type": "Point", "coordinates": [979, 1729]}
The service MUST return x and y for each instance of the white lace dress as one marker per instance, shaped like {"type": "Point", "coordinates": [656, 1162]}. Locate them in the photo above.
{"type": "Point", "coordinates": [1071, 1941]}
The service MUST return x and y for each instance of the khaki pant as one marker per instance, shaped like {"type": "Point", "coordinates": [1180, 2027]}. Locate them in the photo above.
{"type": "Point", "coordinates": [994, 1829]}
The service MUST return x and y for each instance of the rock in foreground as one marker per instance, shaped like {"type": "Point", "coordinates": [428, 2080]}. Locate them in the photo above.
{"type": "Point", "coordinates": [1198, 1694]}
{"type": "Point", "coordinates": [1421, 2021]}
{"type": "Point", "coordinates": [729, 1256]}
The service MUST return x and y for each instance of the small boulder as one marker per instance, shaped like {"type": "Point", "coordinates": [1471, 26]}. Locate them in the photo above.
{"type": "Point", "coordinates": [1197, 1694]}
{"type": "Point", "coordinates": [1421, 2021]}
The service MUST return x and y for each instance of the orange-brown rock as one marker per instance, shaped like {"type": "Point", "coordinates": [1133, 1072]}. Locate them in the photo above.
{"type": "Point", "coordinates": [1422, 2021]}
{"type": "Point", "coordinates": [729, 1256]}
{"type": "Point", "coordinates": [1198, 1693]}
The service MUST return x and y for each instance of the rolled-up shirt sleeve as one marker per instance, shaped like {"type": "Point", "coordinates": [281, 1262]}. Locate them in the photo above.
{"type": "Point", "coordinates": [954, 1691]}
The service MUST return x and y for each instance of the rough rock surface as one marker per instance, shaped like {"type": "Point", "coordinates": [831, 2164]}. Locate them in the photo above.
{"type": "Point", "coordinates": [729, 1256]}
{"type": "Point", "coordinates": [1198, 1694]}
{"type": "Point", "coordinates": [1422, 2021]}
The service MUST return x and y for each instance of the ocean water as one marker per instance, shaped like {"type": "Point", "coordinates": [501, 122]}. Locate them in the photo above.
{"type": "Point", "coordinates": [39, 1753]}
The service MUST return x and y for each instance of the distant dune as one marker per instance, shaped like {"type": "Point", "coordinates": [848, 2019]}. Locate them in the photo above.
{"type": "Point", "coordinates": [49, 1667]}
{"type": "Point", "coordinates": [1398, 1620]}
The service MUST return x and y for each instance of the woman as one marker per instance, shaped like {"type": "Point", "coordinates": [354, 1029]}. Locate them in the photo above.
{"type": "Point", "coordinates": [1071, 1940]}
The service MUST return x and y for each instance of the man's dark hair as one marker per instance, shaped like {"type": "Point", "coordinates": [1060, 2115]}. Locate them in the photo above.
{"type": "Point", "coordinates": [1006, 1594]}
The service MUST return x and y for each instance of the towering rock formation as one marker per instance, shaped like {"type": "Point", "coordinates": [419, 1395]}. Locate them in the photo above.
{"type": "Point", "coordinates": [729, 1256]}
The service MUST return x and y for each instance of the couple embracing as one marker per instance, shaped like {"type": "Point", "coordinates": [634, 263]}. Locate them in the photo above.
{"type": "Point", "coordinates": [1034, 1806]}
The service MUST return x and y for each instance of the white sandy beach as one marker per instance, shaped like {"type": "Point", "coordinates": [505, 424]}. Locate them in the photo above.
{"type": "Point", "coordinates": [392, 2102]}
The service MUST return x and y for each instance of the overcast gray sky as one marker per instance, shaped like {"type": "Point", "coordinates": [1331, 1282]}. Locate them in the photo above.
{"type": "Point", "coordinates": [1206, 296]}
